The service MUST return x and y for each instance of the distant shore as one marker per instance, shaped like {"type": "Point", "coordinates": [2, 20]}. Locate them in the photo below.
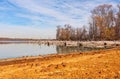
{"type": "Point", "coordinates": [94, 64]}
{"type": "Point", "coordinates": [97, 44]}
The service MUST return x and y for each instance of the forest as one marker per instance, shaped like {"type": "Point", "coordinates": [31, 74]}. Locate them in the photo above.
{"type": "Point", "coordinates": [104, 24]}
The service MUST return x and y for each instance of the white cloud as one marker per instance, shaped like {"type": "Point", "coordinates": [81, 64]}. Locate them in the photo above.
{"type": "Point", "coordinates": [36, 8]}
{"type": "Point", "coordinates": [26, 32]}
{"type": "Point", "coordinates": [57, 12]}
{"type": "Point", "coordinates": [45, 7]}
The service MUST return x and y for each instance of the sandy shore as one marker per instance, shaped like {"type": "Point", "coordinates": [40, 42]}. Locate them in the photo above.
{"type": "Point", "coordinates": [102, 64]}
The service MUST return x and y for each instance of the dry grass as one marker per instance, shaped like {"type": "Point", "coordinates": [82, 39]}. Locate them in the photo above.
{"type": "Point", "coordinates": [103, 64]}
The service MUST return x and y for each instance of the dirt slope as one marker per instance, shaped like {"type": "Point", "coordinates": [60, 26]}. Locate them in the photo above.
{"type": "Point", "coordinates": [103, 64]}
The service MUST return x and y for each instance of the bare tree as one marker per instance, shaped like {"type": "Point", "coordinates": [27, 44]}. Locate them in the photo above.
{"type": "Point", "coordinates": [104, 17]}
{"type": "Point", "coordinates": [104, 25]}
{"type": "Point", "coordinates": [117, 27]}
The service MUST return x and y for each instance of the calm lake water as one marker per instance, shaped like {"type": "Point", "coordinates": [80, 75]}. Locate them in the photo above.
{"type": "Point", "coordinates": [23, 49]}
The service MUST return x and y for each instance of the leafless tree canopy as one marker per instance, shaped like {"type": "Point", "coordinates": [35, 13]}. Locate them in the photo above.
{"type": "Point", "coordinates": [104, 25]}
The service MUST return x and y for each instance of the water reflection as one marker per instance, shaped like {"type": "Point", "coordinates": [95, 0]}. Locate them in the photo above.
{"type": "Point", "coordinates": [69, 49]}
{"type": "Point", "coordinates": [23, 49]}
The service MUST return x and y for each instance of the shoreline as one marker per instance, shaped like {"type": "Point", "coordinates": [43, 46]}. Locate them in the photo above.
{"type": "Point", "coordinates": [96, 64]}
{"type": "Point", "coordinates": [52, 55]}
{"type": "Point", "coordinates": [65, 43]}
{"type": "Point", "coordinates": [55, 55]}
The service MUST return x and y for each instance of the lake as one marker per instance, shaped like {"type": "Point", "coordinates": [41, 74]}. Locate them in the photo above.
{"type": "Point", "coordinates": [12, 50]}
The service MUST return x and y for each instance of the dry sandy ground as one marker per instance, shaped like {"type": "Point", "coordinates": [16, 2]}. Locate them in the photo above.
{"type": "Point", "coordinates": [102, 64]}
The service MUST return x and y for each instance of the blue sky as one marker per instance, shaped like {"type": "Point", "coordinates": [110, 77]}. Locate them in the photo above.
{"type": "Point", "coordinates": [39, 18]}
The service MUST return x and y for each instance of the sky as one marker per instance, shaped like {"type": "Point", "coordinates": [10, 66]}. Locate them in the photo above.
{"type": "Point", "coordinates": [39, 18]}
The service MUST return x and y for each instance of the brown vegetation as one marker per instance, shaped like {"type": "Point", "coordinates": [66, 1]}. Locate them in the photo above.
{"type": "Point", "coordinates": [104, 25]}
{"type": "Point", "coordinates": [102, 64]}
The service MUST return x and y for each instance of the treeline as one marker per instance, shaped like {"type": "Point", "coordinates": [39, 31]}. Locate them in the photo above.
{"type": "Point", "coordinates": [104, 25]}
{"type": "Point", "coordinates": [69, 33]}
